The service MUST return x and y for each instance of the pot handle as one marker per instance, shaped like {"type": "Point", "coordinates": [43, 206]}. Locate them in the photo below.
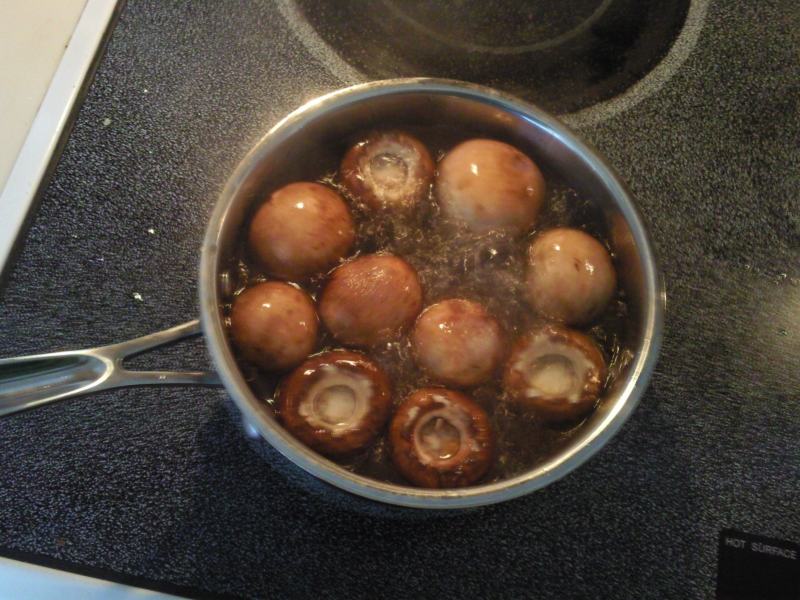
{"type": "Point", "coordinates": [29, 381]}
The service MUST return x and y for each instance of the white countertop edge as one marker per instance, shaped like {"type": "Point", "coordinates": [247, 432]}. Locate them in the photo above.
{"type": "Point", "coordinates": [34, 582]}
{"type": "Point", "coordinates": [23, 182]}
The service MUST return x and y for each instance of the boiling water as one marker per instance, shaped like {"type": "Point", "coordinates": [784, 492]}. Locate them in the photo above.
{"type": "Point", "coordinates": [458, 264]}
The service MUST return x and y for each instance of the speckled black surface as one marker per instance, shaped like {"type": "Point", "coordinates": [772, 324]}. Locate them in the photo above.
{"type": "Point", "coordinates": [160, 482]}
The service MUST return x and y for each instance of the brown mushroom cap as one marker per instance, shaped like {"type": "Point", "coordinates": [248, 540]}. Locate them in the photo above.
{"type": "Point", "coordinates": [555, 371]}
{"type": "Point", "coordinates": [370, 300]}
{"type": "Point", "coordinates": [388, 170]}
{"type": "Point", "coordinates": [441, 439]}
{"type": "Point", "coordinates": [274, 325]}
{"type": "Point", "coordinates": [490, 186]}
{"type": "Point", "coordinates": [301, 230]}
{"type": "Point", "coordinates": [570, 276]}
{"type": "Point", "coordinates": [336, 402]}
{"type": "Point", "coordinates": [457, 342]}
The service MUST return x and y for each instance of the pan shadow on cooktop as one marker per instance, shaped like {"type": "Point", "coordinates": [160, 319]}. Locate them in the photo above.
{"type": "Point", "coordinates": [563, 55]}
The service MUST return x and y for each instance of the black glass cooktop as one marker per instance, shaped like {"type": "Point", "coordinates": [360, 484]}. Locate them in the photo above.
{"type": "Point", "coordinates": [160, 487]}
{"type": "Point", "coordinates": [563, 55]}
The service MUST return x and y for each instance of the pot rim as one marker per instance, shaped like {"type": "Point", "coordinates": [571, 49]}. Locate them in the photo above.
{"type": "Point", "coordinates": [628, 396]}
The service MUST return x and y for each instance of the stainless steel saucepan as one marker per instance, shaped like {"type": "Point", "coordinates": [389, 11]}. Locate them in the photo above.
{"type": "Point", "coordinates": [305, 137]}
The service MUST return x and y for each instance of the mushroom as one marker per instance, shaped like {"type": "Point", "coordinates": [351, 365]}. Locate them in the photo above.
{"type": "Point", "coordinates": [336, 402]}
{"type": "Point", "coordinates": [490, 186]}
{"type": "Point", "coordinates": [274, 325]}
{"type": "Point", "coordinates": [302, 229]}
{"type": "Point", "coordinates": [457, 342]}
{"type": "Point", "coordinates": [370, 300]}
{"type": "Point", "coordinates": [570, 276]}
{"type": "Point", "coordinates": [555, 371]}
{"type": "Point", "coordinates": [440, 438]}
{"type": "Point", "coordinates": [388, 170]}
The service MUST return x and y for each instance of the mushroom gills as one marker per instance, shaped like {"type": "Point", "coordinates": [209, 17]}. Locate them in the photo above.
{"type": "Point", "coordinates": [554, 370]}
{"type": "Point", "coordinates": [338, 402]}
{"type": "Point", "coordinates": [439, 436]}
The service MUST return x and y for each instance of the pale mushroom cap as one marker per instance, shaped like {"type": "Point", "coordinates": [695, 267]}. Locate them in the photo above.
{"type": "Point", "coordinates": [457, 342]}
{"type": "Point", "coordinates": [570, 276]}
{"type": "Point", "coordinates": [488, 185]}
{"type": "Point", "coordinates": [303, 229]}
{"type": "Point", "coordinates": [274, 325]}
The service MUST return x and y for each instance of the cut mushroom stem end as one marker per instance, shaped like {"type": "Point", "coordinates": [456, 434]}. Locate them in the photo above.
{"type": "Point", "coordinates": [557, 372]}
{"type": "Point", "coordinates": [336, 402]}
{"type": "Point", "coordinates": [388, 170]}
{"type": "Point", "coordinates": [441, 438]}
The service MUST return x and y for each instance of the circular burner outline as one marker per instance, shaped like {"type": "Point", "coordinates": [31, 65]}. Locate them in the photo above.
{"type": "Point", "coordinates": [651, 83]}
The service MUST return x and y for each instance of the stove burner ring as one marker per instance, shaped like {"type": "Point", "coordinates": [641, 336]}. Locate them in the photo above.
{"type": "Point", "coordinates": [585, 90]}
